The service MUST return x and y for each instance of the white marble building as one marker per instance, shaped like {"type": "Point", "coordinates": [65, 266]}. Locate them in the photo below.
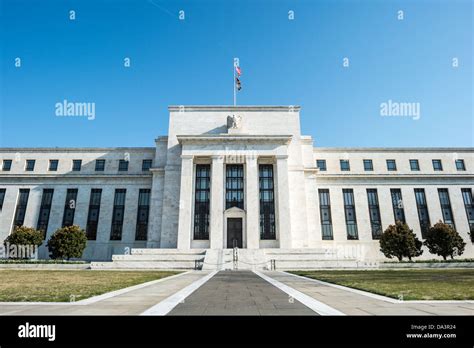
{"type": "Point", "coordinates": [235, 176]}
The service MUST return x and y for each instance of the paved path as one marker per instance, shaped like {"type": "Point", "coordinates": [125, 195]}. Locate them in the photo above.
{"type": "Point", "coordinates": [239, 293]}
{"type": "Point", "coordinates": [351, 303]}
{"type": "Point", "coordinates": [130, 303]}
{"type": "Point", "coordinates": [242, 293]}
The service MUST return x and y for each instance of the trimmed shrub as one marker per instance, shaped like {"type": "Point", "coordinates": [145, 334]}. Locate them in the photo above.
{"type": "Point", "coordinates": [443, 240]}
{"type": "Point", "coordinates": [23, 236]}
{"type": "Point", "coordinates": [67, 242]}
{"type": "Point", "coordinates": [399, 241]}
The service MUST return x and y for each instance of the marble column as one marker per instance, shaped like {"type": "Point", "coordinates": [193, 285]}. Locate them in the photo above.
{"type": "Point", "coordinates": [252, 206]}
{"type": "Point", "coordinates": [283, 202]}
{"type": "Point", "coordinates": [217, 203]}
{"type": "Point", "coordinates": [185, 202]}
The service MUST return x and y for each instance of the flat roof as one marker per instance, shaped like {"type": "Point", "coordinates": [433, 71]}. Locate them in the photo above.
{"type": "Point", "coordinates": [285, 108]}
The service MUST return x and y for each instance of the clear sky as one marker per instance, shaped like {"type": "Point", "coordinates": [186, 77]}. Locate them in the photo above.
{"type": "Point", "coordinates": [284, 62]}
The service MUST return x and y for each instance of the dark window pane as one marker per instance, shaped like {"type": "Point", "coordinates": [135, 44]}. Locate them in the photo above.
{"type": "Point", "coordinates": [44, 212]}
{"type": "Point", "coordinates": [117, 214]}
{"type": "Point", "coordinates": [142, 214]}
{"type": "Point", "coordinates": [321, 164]}
{"type": "Point", "coordinates": [325, 213]}
{"type": "Point", "coordinates": [99, 165]}
{"type": "Point", "coordinates": [397, 203]}
{"type": "Point", "coordinates": [21, 207]}
{"type": "Point", "coordinates": [350, 214]}
{"type": "Point", "coordinates": [423, 215]}
{"type": "Point", "coordinates": [76, 165]}
{"type": "Point", "coordinates": [267, 202]}
{"type": "Point", "coordinates": [201, 202]}
{"type": "Point", "coordinates": [70, 207]}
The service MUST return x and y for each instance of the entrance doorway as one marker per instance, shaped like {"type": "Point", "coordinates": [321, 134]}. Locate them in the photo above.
{"type": "Point", "coordinates": [234, 232]}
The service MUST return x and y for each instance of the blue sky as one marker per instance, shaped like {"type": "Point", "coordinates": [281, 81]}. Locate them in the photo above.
{"type": "Point", "coordinates": [284, 62]}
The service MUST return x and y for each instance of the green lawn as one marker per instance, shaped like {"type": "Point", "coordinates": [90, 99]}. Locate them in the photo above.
{"type": "Point", "coordinates": [430, 284]}
{"type": "Point", "coordinates": [62, 286]}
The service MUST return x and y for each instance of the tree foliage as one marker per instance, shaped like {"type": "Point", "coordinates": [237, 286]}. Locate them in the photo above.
{"type": "Point", "coordinates": [443, 240]}
{"type": "Point", "coordinates": [67, 242]}
{"type": "Point", "coordinates": [399, 241]}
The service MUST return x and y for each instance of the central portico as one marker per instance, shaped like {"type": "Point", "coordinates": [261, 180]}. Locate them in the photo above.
{"type": "Point", "coordinates": [234, 191]}
{"type": "Point", "coordinates": [231, 165]}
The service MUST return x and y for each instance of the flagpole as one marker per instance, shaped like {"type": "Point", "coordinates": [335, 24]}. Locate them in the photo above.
{"type": "Point", "coordinates": [235, 94]}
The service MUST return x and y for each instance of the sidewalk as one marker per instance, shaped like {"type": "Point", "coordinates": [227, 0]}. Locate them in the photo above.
{"type": "Point", "coordinates": [130, 303]}
{"type": "Point", "coordinates": [351, 303]}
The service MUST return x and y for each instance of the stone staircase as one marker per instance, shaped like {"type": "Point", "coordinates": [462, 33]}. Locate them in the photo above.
{"type": "Point", "coordinates": [304, 259]}
{"type": "Point", "coordinates": [155, 259]}
{"type": "Point", "coordinates": [223, 259]}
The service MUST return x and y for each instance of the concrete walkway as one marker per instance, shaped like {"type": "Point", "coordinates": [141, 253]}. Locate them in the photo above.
{"type": "Point", "coordinates": [352, 303]}
{"type": "Point", "coordinates": [131, 303]}
{"type": "Point", "coordinates": [239, 293]}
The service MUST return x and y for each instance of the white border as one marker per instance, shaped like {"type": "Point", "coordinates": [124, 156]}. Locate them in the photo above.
{"type": "Point", "coordinates": [315, 305]}
{"type": "Point", "coordinates": [167, 305]}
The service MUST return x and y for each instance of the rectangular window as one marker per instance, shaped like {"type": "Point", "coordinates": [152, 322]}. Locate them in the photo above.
{"type": "Point", "coordinates": [21, 207]}
{"type": "Point", "coordinates": [460, 166]}
{"type": "Point", "coordinates": [325, 213]}
{"type": "Point", "coordinates": [146, 165]}
{"type": "Point", "coordinates": [446, 207]}
{"type": "Point", "coordinates": [53, 165]}
{"type": "Point", "coordinates": [345, 166]}
{"type": "Point", "coordinates": [69, 207]}
{"type": "Point", "coordinates": [100, 165]}
{"type": "Point", "coordinates": [142, 215]}
{"type": "Point", "coordinates": [437, 165]}
{"type": "Point", "coordinates": [93, 215]}
{"type": "Point", "coordinates": [397, 203]}
{"type": "Point", "coordinates": [76, 165]}
{"type": "Point", "coordinates": [7, 165]}
{"type": "Point", "coordinates": [414, 165]}
{"type": "Point", "coordinates": [374, 213]}
{"type": "Point", "coordinates": [321, 164]}
{"type": "Point", "coordinates": [30, 165]}
{"type": "Point", "coordinates": [469, 205]}
{"type": "Point", "coordinates": [234, 196]}
{"type": "Point", "coordinates": [2, 197]}
{"type": "Point", "coordinates": [368, 165]}
{"type": "Point", "coordinates": [350, 213]}
{"type": "Point", "coordinates": [202, 194]}
{"type": "Point", "coordinates": [423, 214]}
{"type": "Point", "coordinates": [267, 202]}
{"type": "Point", "coordinates": [45, 210]}
{"type": "Point", "coordinates": [391, 165]}
{"type": "Point", "coordinates": [123, 166]}
{"type": "Point", "coordinates": [117, 214]}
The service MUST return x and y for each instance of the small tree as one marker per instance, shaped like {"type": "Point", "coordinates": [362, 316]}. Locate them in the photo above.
{"type": "Point", "coordinates": [399, 241]}
{"type": "Point", "coordinates": [443, 240]}
{"type": "Point", "coordinates": [67, 242]}
{"type": "Point", "coordinates": [23, 236]}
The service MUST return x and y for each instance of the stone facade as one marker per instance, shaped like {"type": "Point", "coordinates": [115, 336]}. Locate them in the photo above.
{"type": "Point", "coordinates": [249, 136]}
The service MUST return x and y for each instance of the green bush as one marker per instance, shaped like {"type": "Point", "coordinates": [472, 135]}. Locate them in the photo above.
{"type": "Point", "coordinates": [399, 241]}
{"type": "Point", "coordinates": [67, 242]}
{"type": "Point", "coordinates": [24, 236]}
{"type": "Point", "coordinates": [443, 240]}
